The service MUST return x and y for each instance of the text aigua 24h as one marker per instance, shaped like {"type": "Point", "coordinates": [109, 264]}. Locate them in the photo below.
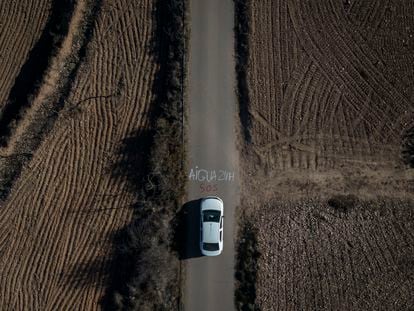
{"type": "Point", "coordinates": [199, 174]}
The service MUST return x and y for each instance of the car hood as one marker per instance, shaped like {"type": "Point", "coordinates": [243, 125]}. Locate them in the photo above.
{"type": "Point", "coordinates": [211, 232]}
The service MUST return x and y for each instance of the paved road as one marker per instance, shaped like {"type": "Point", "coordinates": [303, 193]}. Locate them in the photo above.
{"type": "Point", "coordinates": [212, 137]}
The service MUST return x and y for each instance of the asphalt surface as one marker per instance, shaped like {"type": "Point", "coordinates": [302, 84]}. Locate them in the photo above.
{"type": "Point", "coordinates": [209, 281]}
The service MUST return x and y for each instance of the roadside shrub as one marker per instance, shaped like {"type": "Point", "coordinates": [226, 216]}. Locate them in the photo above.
{"type": "Point", "coordinates": [247, 254]}
{"type": "Point", "coordinates": [242, 31]}
{"type": "Point", "coordinates": [408, 147]}
{"type": "Point", "coordinates": [246, 267]}
{"type": "Point", "coordinates": [152, 266]}
{"type": "Point", "coordinates": [343, 203]}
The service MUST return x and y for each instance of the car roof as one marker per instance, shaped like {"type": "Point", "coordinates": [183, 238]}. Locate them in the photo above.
{"type": "Point", "coordinates": [211, 232]}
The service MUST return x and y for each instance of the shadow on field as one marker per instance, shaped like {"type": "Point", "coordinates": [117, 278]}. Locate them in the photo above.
{"type": "Point", "coordinates": [129, 247]}
{"type": "Point", "coordinates": [128, 242]}
{"type": "Point", "coordinates": [132, 163]}
{"type": "Point", "coordinates": [187, 233]}
{"type": "Point", "coordinates": [85, 273]}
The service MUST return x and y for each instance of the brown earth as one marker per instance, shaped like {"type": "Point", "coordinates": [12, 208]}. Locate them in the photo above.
{"type": "Point", "coordinates": [314, 257]}
{"type": "Point", "coordinates": [331, 96]}
{"type": "Point", "coordinates": [57, 223]}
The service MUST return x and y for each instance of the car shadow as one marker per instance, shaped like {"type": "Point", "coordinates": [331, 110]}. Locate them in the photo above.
{"type": "Point", "coordinates": [187, 233]}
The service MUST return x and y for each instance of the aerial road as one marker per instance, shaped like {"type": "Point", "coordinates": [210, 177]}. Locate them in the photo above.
{"type": "Point", "coordinates": [213, 158]}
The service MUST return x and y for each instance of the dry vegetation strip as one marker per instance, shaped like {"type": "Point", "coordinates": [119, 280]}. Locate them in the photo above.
{"type": "Point", "coordinates": [242, 30]}
{"type": "Point", "coordinates": [247, 254]}
{"type": "Point", "coordinates": [329, 101]}
{"type": "Point", "coordinates": [246, 266]}
{"type": "Point", "coordinates": [77, 192]}
{"type": "Point", "coordinates": [145, 272]}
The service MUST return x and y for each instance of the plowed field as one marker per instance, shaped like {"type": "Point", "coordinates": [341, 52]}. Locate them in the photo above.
{"type": "Point", "coordinates": [57, 222]}
{"type": "Point", "coordinates": [331, 98]}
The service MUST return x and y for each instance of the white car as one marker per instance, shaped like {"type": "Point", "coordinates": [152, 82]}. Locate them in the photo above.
{"type": "Point", "coordinates": [211, 226]}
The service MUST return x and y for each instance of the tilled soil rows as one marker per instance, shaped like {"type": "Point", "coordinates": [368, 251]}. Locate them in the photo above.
{"type": "Point", "coordinates": [59, 218]}
{"type": "Point", "coordinates": [331, 100]}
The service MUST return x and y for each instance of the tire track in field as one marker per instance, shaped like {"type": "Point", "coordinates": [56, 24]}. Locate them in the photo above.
{"type": "Point", "coordinates": [363, 101]}
{"type": "Point", "coordinates": [343, 50]}
{"type": "Point", "coordinates": [68, 183]}
{"type": "Point", "coordinates": [271, 81]}
{"type": "Point", "coordinates": [368, 16]}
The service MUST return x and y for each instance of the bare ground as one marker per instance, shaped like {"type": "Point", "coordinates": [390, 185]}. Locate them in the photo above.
{"type": "Point", "coordinates": [331, 92]}
{"type": "Point", "coordinates": [57, 222]}
{"type": "Point", "coordinates": [316, 257]}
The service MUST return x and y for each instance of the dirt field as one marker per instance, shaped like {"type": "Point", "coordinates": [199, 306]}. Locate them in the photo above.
{"type": "Point", "coordinates": [314, 257]}
{"type": "Point", "coordinates": [66, 202]}
{"type": "Point", "coordinates": [331, 94]}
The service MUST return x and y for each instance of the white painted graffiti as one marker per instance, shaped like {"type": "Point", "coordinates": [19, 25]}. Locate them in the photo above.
{"type": "Point", "coordinates": [199, 174]}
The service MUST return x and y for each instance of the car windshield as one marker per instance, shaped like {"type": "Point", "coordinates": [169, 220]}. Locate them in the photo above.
{"type": "Point", "coordinates": [211, 246]}
{"type": "Point", "coordinates": [211, 216]}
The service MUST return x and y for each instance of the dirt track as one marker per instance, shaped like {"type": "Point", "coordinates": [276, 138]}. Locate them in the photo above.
{"type": "Point", "coordinates": [330, 96]}
{"type": "Point", "coordinates": [58, 220]}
